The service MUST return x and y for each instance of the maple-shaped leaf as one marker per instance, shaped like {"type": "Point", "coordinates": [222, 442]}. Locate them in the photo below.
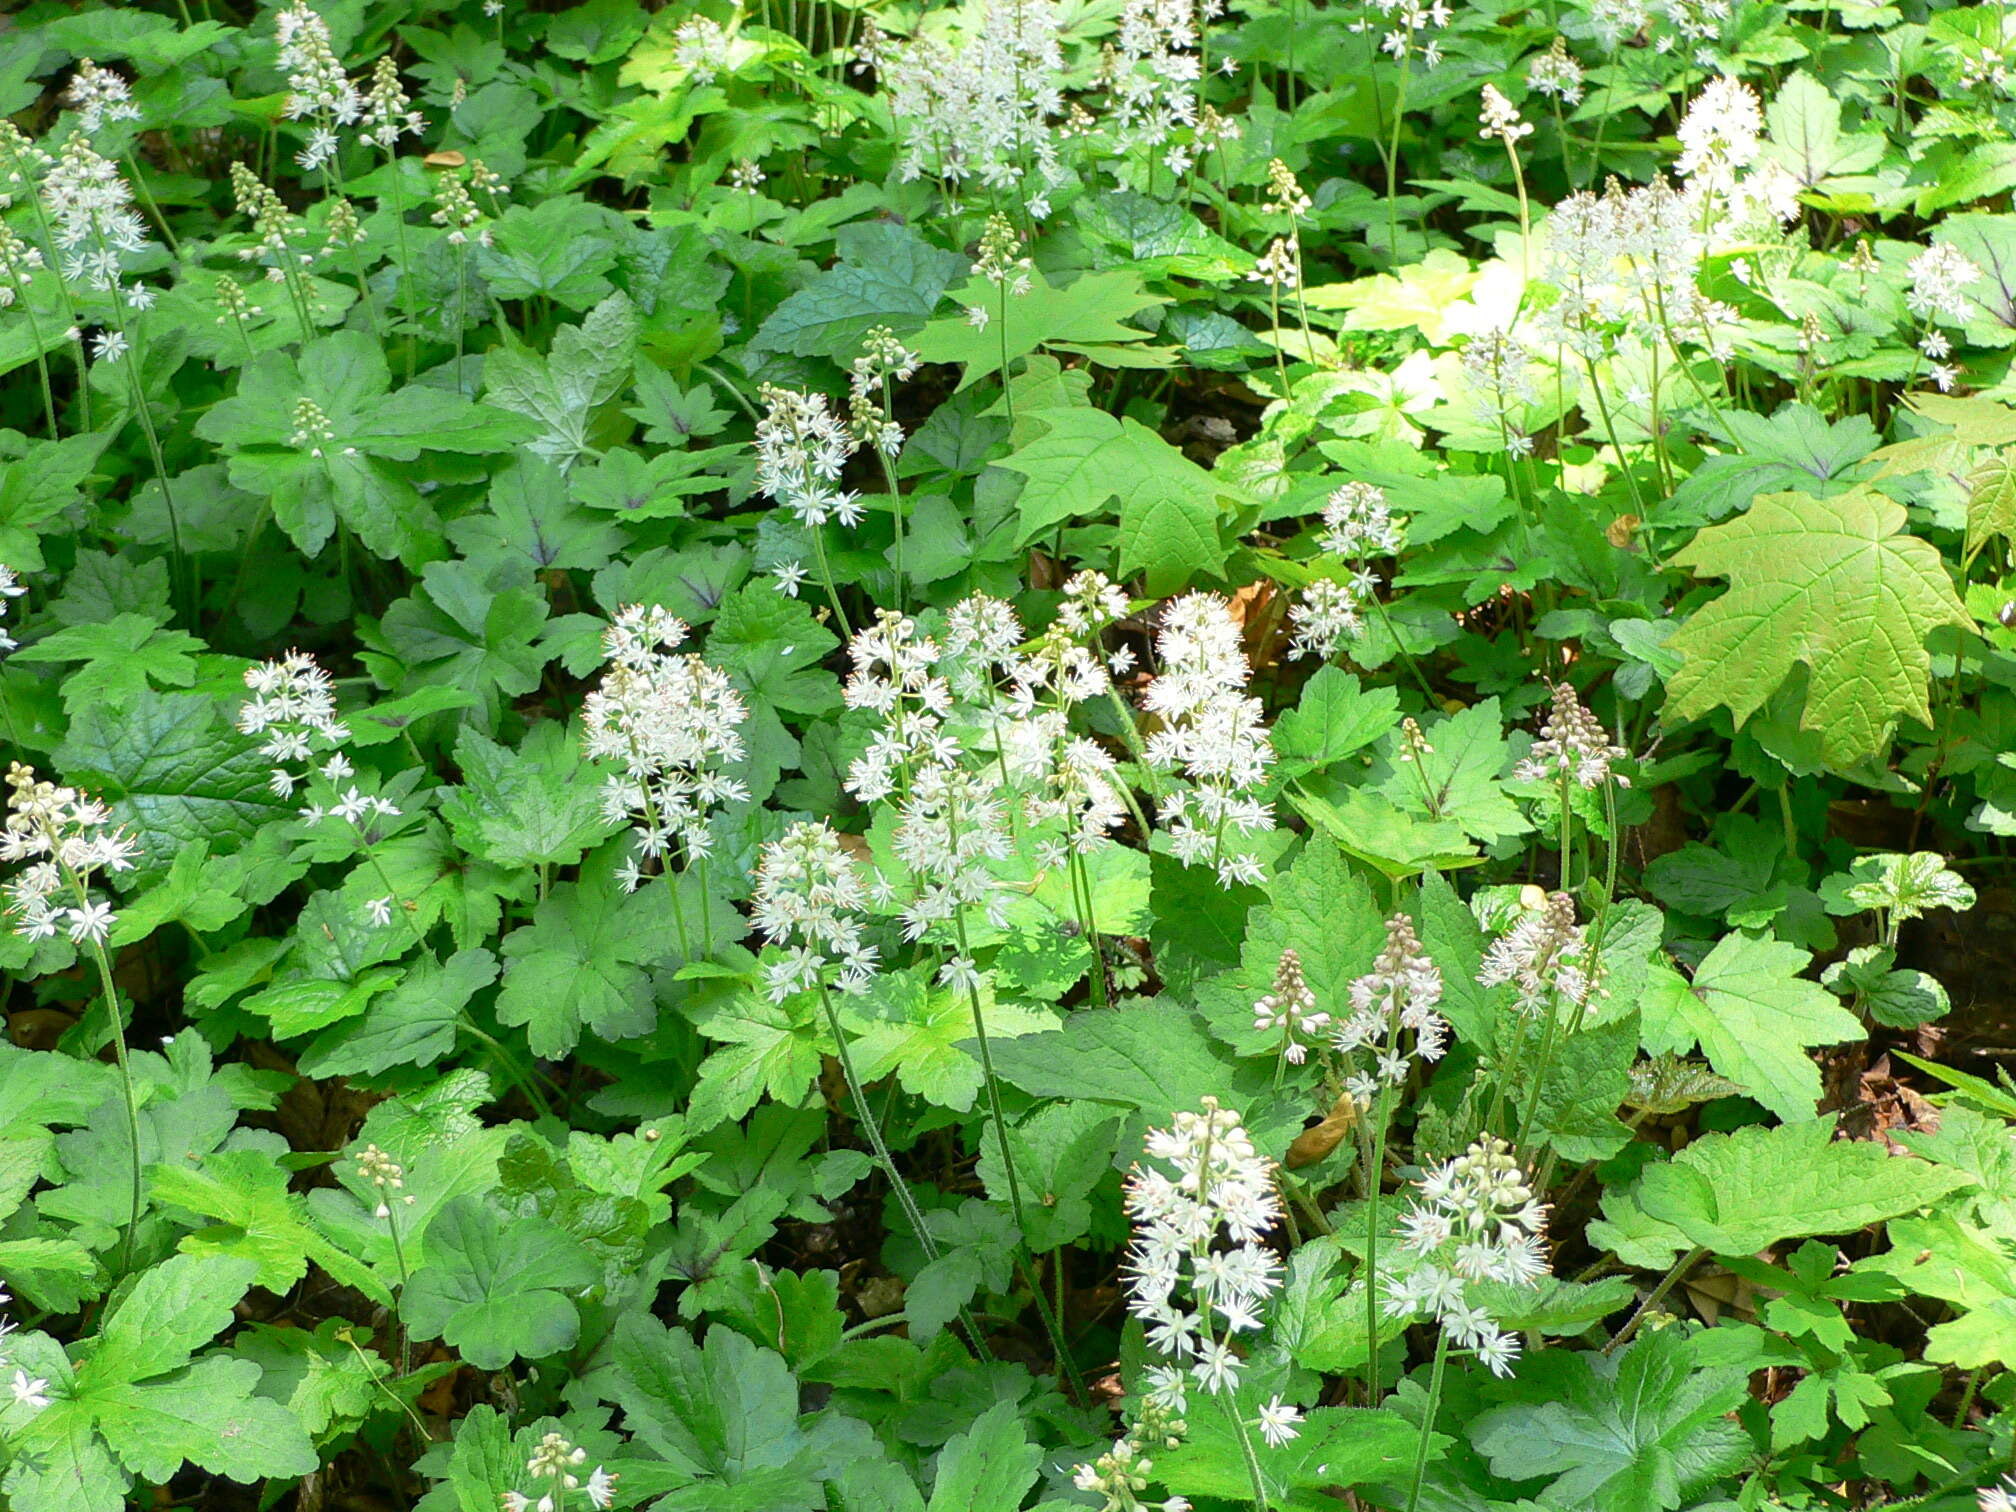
{"type": "Point", "coordinates": [1638, 1431]}
{"type": "Point", "coordinates": [925, 1035]}
{"type": "Point", "coordinates": [1834, 584]}
{"type": "Point", "coordinates": [1171, 510]}
{"type": "Point", "coordinates": [1084, 317]}
{"type": "Point", "coordinates": [1754, 1016]}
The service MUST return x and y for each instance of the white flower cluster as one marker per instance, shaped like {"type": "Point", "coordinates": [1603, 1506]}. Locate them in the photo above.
{"type": "Point", "coordinates": [895, 677]}
{"type": "Point", "coordinates": [28, 1391]}
{"type": "Point", "coordinates": [1193, 1294]}
{"type": "Point", "coordinates": [1721, 146]}
{"type": "Point", "coordinates": [801, 450]}
{"type": "Point", "coordinates": [979, 107]}
{"type": "Point", "coordinates": [65, 838]}
{"type": "Point", "coordinates": [318, 89]}
{"type": "Point", "coordinates": [1939, 278]}
{"type": "Point", "coordinates": [1290, 1009]}
{"type": "Point", "coordinates": [672, 722]}
{"type": "Point", "coordinates": [1999, 1498]}
{"type": "Point", "coordinates": [953, 822]}
{"type": "Point", "coordinates": [91, 214]}
{"type": "Point", "coordinates": [1544, 954]}
{"type": "Point", "coordinates": [1198, 1276]}
{"type": "Point", "coordinates": [293, 705]}
{"type": "Point", "coordinates": [1400, 994]}
{"type": "Point", "coordinates": [1358, 524]}
{"type": "Point", "coordinates": [100, 95]}
{"type": "Point", "coordinates": [11, 587]}
{"type": "Point", "coordinates": [1212, 733]}
{"type": "Point", "coordinates": [1151, 74]}
{"type": "Point", "coordinates": [1626, 261]}
{"type": "Point", "coordinates": [1498, 371]}
{"type": "Point", "coordinates": [808, 900]}
{"type": "Point", "coordinates": [1557, 74]}
{"type": "Point", "coordinates": [1474, 1220]}
{"type": "Point", "coordinates": [1573, 744]}
{"type": "Point", "coordinates": [1077, 785]}
{"type": "Point", "coordinates": [554, 1460]}
{"type": "Point", "coordinates": [1407, 28]}
{"type": "Point", "coordinates": [700, 46]}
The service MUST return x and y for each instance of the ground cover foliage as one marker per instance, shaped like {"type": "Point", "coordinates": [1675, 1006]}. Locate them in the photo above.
{"type": "Point", "coordinates": [1123, 753]}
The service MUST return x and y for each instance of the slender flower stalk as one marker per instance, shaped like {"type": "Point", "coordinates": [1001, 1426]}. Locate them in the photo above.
{"type": "Point", "coordinates": [1398, 996]}
{"type": "Point", "coordinates": [66, 840]}
{"type": "Point", "coordinates": [1198, 1276]}
{"type": "Point", "coordinates": [388, 1177]}
{"type": "Point", "coordinates": [1475, 1219]}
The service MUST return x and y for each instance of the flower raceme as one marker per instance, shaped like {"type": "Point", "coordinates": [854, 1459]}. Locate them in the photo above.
{"type": "Point", "coordinates": [672, 723]}
{"type": "Point", "coordinates": [1198, 1275]}
{"type": "Point", "coordinates": [808, 901]}
{"type": "Point", "coordinates": [1212, 733]}
{"type": "Point", "coordinates": [1475, 1219]}
{"type": "Point", "coordinates": [65, 839]}
{"type": "Point", "coordinates": [1193, 1293]}
{"type": "Point", "coordinates": [1400, 994]}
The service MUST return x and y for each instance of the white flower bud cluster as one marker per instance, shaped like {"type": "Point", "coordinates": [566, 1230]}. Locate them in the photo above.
{"type": "Point", "coordinates": [1212, 733]}
{"type": "Point", "coordinates": [555, 1461]}
{"type": "Point", "coordinates": [387, 114]}
{"type": "Point", "coordinates": [17, 261]}
{"type": "Point", "coordinates": [808, 900]}
{"type": "Point", "coordinates": [1543, 954]}
{"type": "Point", "coordinates": [1573, 744]}
{"type": "Point", "coordinates": [455, 212]}
{"type": "Point", "coordinates": [1475, 1219]}
{"type": "Point", "coordinates": [1280, 266]}
{"type": "Point", "coordinates": [27, 1391]}
{"type": "Point", "coordinates": [999, 262]}
{"type": "Point", "coordinates": [1556, 74]}
{"type": "Point", "coordinates": [883, 359]}
{"type": "Point", "coordinates": [387, 1175]}
{"type": "Point", "coordinates": [672, 722]}
{"type": "Point", "coordinates": [1499, 121]}
{"type": "Point", "coordinates": [1290, 1009]}
{"type": "Point", "coordinates": [65, 839]}
{"type": "Point", "coordinates": [1401, 993]}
